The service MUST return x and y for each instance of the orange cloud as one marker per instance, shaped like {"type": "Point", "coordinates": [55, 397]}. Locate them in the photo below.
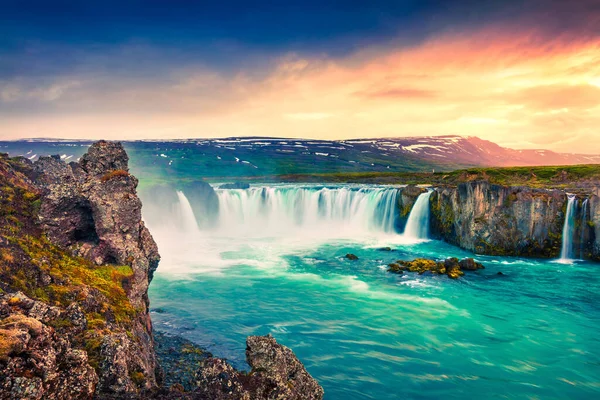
{"type": "Point", "coordinates": [518, 89]}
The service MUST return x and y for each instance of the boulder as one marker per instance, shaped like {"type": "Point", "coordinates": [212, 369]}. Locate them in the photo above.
{"type": "Point", "coordinates": [468, 264]}
{"type": "Point", "coordinates": [276, 374]}
{"type": "Point", "coordinates": [451, 267]}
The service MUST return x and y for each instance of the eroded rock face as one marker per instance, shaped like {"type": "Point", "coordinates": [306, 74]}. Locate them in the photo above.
{"type": "Point", "coordinates": [92, 208]}
{"type": "Point", "coordinates": [95, 340]}
{"type": "Point", "coordinates": [37, 361]}
{"type": "Point", "coordinates": [276, 374]}
{"type": "Point", "coordinates": [493, 219]}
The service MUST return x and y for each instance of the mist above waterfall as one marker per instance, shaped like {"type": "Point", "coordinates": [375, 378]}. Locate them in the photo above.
{"type": "Point", "coordinates": [259, 224]}
{"type": "Point", "coordinates": [327, 212]}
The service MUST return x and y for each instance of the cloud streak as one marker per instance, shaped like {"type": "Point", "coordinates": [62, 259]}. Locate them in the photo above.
{"type": "Point", "coordinates": [523, 88]}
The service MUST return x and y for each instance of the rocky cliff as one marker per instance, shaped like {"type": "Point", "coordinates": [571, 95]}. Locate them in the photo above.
{"type": "Point", "coordinates": [76, 261]}
{"type": "Point", "coordinates": [592, 238]}
{"type": "Point", "coordinates": [513, 221]}
{"type": "Point", "coordinates": [75, 264]}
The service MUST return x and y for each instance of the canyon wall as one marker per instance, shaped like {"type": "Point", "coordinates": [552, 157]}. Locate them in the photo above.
{"type": "Point", "coordinates": [512, 221]}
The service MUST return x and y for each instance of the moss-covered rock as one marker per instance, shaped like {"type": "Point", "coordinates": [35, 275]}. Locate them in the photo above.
{"type": "Point", "coordinates": [451, 267]}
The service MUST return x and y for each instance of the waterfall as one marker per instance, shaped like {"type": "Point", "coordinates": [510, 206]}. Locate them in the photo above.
{"type": "Point", "coordinates": [186, 214]}
{"type": "Point", "coordinates": [297, 210]}
{"type": "Point", "coordinates": [566, 252]}
{"type": "Point", "coordinates": [583, 227]}
{"type": "Point", "coordinates": [417, 226]}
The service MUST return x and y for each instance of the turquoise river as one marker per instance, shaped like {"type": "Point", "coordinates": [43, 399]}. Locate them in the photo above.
{"type": "Point", "coordinates": [273, 262]}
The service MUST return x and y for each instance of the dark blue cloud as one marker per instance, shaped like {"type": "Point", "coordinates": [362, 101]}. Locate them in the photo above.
{"type": "Point", "coordinates": [46, 38]}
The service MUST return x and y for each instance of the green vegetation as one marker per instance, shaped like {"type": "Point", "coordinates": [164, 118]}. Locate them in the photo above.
{"type": "Point", "coordinates": [29, 262]}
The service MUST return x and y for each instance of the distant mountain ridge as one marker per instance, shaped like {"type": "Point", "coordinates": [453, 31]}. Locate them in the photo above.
{"type": "Point", "coordinates": [476, 151]}
{"type": "Point", "coordinates": [262, 156]}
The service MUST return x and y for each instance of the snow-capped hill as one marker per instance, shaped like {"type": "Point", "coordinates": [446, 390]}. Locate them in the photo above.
{"type": "Point", "coordinates": [470, 150]}
{"type": "Point", "coordinates": [279, 156]}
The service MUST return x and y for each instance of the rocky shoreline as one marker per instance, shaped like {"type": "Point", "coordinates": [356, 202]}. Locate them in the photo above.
{"type": "Point", "coordinates": [77, 260]}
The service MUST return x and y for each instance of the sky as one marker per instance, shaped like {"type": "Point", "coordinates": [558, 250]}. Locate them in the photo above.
{"type": "Point", "coordinates": [521, 73]}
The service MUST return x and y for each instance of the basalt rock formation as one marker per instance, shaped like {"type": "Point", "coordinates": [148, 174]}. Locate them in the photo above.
{"type": "Point", "coordinates": [75, 264]}
{"type": "Point", "coordinates": [512, 221]}
{"type": "Point", "coordinates": [499, 220]}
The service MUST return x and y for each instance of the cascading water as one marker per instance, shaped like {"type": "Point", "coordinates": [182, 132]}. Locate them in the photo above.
{"type": "Point", "coordinates": [186, 214]}
{"type": "Point", "coordinates": [566, 253]}
{"type": "Point", "coordinates": [583, 224]}
{"type": "Point", "coordinates": [329, 211]}
{"type": "Point", "coordinates": [417, 226]}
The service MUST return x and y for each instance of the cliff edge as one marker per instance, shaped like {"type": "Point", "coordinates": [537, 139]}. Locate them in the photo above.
{"type": "Point", "coordinates": [75, 263]}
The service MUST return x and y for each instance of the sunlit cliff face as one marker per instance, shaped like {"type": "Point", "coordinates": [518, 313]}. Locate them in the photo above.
{"type": "Point", "coordinates": [522, 89]}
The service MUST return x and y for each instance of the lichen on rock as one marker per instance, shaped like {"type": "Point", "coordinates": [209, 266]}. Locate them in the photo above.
{"type": "Point", "coordinates": [275, 373]}
{"type": "Point", "coordinates": [452, 267]}
{"type": "Point", "coordinates": [75, 264]}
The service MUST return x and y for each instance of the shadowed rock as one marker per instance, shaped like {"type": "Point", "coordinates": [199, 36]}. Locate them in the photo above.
{"type": "Point", "coordinates": [276, 374]}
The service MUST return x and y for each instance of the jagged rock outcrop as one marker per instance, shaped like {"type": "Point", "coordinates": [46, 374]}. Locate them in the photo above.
{"type": "Point", "coordinates": [76, 261]}
{"type": "Point", "coordinates": [499, 220]}
{"type": "Point", "coordinates": [276, 374]}
{"type": "Point", "coordinates": [92, 208]}
{"type": "Point", "coordinates": [74, 237]}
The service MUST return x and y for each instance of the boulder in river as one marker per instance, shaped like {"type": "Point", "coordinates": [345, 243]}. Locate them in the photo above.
{"type": "Point", "coordinates": [452, 267]}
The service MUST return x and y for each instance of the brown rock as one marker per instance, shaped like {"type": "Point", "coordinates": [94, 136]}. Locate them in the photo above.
{"type": "Point", "coordinates": [276, 374]}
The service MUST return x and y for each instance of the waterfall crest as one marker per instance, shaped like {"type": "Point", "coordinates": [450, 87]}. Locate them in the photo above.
{"type": "Point", "coordinates": [417, 226]}
{"type": "Point", "coordinates": [279, 210]}
{"type": "Point", "coordinates": [566, 253]}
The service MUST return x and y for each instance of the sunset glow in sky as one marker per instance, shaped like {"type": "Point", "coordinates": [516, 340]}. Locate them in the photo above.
{"type": "Point", "coordinates": [524, 74]}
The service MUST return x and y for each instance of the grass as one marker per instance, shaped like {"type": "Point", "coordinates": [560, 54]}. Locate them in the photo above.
{"type": "Point", "coordinates": [26, 254]}
{"type": "Point", "coordinates": [75, 273]}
